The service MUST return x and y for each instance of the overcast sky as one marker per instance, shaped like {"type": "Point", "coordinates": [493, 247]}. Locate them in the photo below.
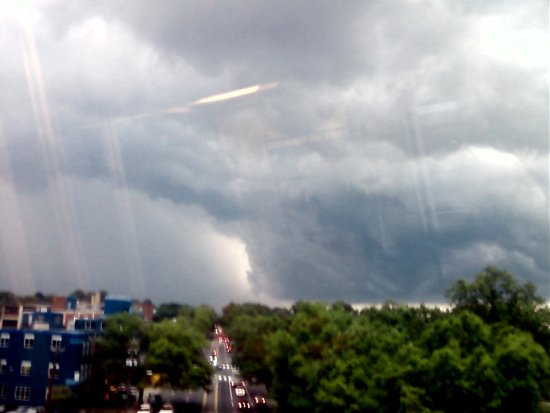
{"type": "Point", "coordinates": [373, 150]}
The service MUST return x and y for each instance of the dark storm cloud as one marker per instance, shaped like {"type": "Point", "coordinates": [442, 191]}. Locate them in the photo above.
{"type": "Point", "coordinates": [399, 149]}
{"type": "Point", "coordinates": [414, 53]}
{"type": "Point", "coordinates": [256, 39]}
{"type": "Point", "coordinates": [375, 247]}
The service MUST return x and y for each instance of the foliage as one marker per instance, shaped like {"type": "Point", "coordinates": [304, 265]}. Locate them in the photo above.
{"type": "Point", "coordinates": [232, 310]}
{"type": "Point", "coordinates": [249, 325]}
{"type": "Point", "coordinates": [200, 318]}
{"type": "Point", "coordinates": [62, 393]}
{"type": "Point", "coordinates": [167, 311]}
{"type": "Point", "coordinates": [124, 337]}
{"type": "Point", "coordinates": [8, 298]}
{"type": "Point", "coordinates": [487, 355]}
{"type": "Point", "coordinates": [175, 352]}
{"type": "Point", "coordinates": [497, 297]}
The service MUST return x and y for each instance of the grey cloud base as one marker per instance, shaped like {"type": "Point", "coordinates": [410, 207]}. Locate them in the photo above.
{"type": "Point", "coordinates": [401, 148]}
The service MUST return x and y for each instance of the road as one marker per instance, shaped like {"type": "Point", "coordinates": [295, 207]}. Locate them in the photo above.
{"type": "Point", "coordinates": [221, 397]}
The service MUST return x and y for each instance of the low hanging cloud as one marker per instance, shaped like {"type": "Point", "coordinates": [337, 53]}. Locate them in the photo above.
{"type": "Point", "coordinates": [393, 148]}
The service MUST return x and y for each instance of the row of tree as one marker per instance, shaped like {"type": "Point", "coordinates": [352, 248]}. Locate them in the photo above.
{"type": "Point", "coordinates": [172, 348]}
{"type": "Point", "coordinates": [489, 354]}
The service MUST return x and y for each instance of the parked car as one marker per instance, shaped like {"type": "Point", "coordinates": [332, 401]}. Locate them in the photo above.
{"type": "Point", "coordinates": [166, 408]}
{"type": "Point", "coordinates": [144, 408]}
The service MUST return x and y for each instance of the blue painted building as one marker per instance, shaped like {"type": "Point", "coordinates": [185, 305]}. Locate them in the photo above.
{"type": "Point", "coordinates": [72, 303]}
{"type": "Point", "coordinates": [44, 320]}
{"type": "Point", "coordinates": [30, 359]}
{"type": "Point", "coordinates": [115, 305]}
{"type": "Point", "coordinates": [36, 350]}
{"type": "Point", "coordinates": [94, 327]}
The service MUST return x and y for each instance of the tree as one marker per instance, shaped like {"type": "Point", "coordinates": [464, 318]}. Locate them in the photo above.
{"type": "Point", "coordinates": [497, 297]}
{"type": "Point", "coordinates": [124, 337]}
{"type": "Point", "coordinates": [524, 370]}
{"type": "Point", "coordinates": [78, 294]}
{"type": "Point", "coordinates": [175, 352]}
{"type": "Point", "coordinates": [200, 318]}
{"type": "Point", "coordinates": [248, 334]}
{"type": "Point", "coordinates": [8, 298]}
{"type": "Point", "coordinates": [343, 306]}
{"type": "Point", "coordinates": [167, 311]}
{"type": "Point", "coordinates": [232, 310]}
{"type": "Point", "coordinates": [472, 366]}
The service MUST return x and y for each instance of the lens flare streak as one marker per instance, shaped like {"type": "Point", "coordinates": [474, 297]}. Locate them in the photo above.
{"type": "Point", "coordinates": [64, 213]}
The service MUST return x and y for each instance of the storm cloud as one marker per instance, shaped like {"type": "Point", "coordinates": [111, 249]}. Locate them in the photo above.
{"type": "Point", "coordinates": [394, 147]}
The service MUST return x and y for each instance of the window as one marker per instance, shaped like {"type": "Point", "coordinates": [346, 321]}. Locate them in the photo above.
{"type": "Point", "coordinates": [3, 366]}
{"type": "Point", "coordinates": [53, 370]}
{"type": "Point", "coordinates": [76, 376]}
{"type": "Point", "coordinates": [56, 342]}
{"type": "Point", "coordinates": [22, 393]}
{"type": "Point", "coordinates": [4, 339]}
{"type": "Point", "coordinates": [85, 349]}
{"type": "Point", "coordinates": [29, 341]}
{"type": "Point", "coordinates": [3, 390]}
{"type": "Point", "coordinates": [25, 368]}
{"type": "Point", "coordinates": [84, 371]}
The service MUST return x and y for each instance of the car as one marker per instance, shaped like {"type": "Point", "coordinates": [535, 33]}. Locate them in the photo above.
{"type": "Point", "coordinates": [258, 395]}
{"type": "Point", "coordinates": [243, 405]}
{"type": "Point", "coordinates": [29, 409]}
{"type": "Point", "coordinates": [213, 361]}
{"type": "Point", "coordinates": [144, 408]}
{"type": "Point", "coordinates": [238, 383]}
{"type": "Point", "coordinates": [258, 399]}
{"type": "Point", "coordinates": [166, 408]}
{"type": "Point", "coordinates": [240, 392]}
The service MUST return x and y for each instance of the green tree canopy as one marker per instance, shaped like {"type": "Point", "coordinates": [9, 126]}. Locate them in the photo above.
{"type": "Point", "coordinates": [124, 337]}
{"type": "Point", "coordinates": [175, 352]}
{"type": "Point", "coordinates": [200, 318]}
{"type": "Point", "coordinates": [167, 311]}
{"type": "Point", "coordinates": [497, 297]}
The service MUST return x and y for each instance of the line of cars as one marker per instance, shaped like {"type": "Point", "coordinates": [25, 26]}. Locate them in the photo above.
{"type": "Point", "coordinates": [24, 409]}
{"type": "Point", "coordinates": [249, 396]}
{"type": "Point", "coordinates": [155, 404]}
{"type": "Point", "coordinates": [147, 408]}
{"type": "Point", "coordinates": [222, 338]}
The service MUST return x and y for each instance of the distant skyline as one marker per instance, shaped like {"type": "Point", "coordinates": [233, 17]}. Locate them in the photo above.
{"type": "Point", "coordinates": [201, 152]}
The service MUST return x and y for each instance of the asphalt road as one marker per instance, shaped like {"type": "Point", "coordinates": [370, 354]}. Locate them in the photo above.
{"type": "Point", "coordinates": [220, 399]}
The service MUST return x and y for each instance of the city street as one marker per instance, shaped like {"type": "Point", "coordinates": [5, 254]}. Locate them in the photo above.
{"type": "Point", "coordinates": [220, 398]}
